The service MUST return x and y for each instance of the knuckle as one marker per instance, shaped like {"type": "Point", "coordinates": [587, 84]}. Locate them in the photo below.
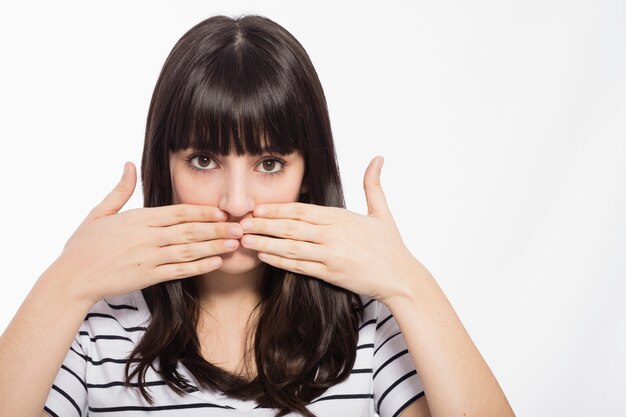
{"type": "Point", "coordinates": [201, 267]}
{"type": "Point", "coordinates": [180, 271]}
{"type": "Point", "coordinates": [186, 253]}
{"type": "Point", "coordinates": [216, 246]}
{"type": "Point", "coordinates": [330, 276]}
{"type": "Point", "coordinates": [181, 213]}
{"type": "Point", "coordinates": [144, 216]}
{"type": "Point", "coordinates": [189, 233]}
{"type": "Point", "coordinates": [300, 210]}
{"type": "Point", "coordinates": [291, 229]}
{"type": "Point", "coordinates": [298, 266]}
{"type": "Point", "coordinates": [338, 213]}
{"type": "Point", "coordinates": [133, 216]}
{"type": "Point", "coordinates": [159, 236]}
{"type": "Point", "coordinates": [279, 263]}
{"type": "Point", "coordinates": [292, 249]}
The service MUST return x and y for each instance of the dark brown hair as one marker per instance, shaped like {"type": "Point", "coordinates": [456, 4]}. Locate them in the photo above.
{"type": "Point", "coordinates": [229, 82]}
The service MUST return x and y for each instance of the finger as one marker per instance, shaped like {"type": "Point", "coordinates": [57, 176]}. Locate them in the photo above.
{"type": "Point", "coordinates": [374, 195]}
{"type": "Point", "coordinates": [182, 213]}
{"type": "Point", "coordinates": [197, 232]}
{"type": "Point", "coordinates": [298, 266]}
{"type": "Point", "coordinates": [284, 247]}
{"type": "Point", "coordinates": [115, 200]}
{"type": "Point", "coordinates": [194, 251]}
{"type": "Point", "coordinates": [168, 272]}
{"type": "Point", "coordinates": [285, 228]}
{"type": "Point", "coordinates": [310, 213]}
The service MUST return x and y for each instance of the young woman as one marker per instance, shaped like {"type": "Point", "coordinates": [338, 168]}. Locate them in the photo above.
{"type": "Point", "coordinates": [244, 286]}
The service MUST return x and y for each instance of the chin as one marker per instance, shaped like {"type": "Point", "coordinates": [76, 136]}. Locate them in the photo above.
{"type": "Point", "coordinates": [240, 261]}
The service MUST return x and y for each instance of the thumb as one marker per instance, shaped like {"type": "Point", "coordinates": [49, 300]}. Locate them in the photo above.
{"type": "Point", "coordinates": [115, 200]}
{"type": "Point", "coordinates": [374, 195]}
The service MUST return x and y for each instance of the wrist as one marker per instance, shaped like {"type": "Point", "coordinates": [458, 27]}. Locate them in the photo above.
{"type": "Point", "coordinates": [58, 281]}
{"type": "Point", "coordinates": [411, 282]}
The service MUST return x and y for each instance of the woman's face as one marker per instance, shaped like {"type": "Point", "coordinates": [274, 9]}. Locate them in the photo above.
{"type": "Point", "coordinates": [235, 184]}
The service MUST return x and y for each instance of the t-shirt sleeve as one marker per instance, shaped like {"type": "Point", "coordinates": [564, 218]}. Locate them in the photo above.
{"type": "Point", "coordinates": [396, 381]}
{"type": "Point", "coordinates": [68, 396]}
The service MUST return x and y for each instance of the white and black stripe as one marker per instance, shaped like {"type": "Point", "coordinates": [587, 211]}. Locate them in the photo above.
{"type": "Point", "coordinates": [90, 382]}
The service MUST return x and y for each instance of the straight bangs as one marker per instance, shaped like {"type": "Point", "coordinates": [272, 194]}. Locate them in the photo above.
{"type": "Point", "coordinates": [240, 103]}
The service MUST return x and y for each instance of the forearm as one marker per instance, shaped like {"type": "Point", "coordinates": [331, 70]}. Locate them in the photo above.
{"type": "Point", "coordinates": [34, 345]}
{"type": "Point", "coordinates": [456, 379]}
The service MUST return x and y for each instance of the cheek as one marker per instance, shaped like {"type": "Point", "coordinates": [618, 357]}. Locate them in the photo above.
{"type": "Point", "coordinates": [281, 191]}
{"type": "Point", "coordinates": [190, 191]}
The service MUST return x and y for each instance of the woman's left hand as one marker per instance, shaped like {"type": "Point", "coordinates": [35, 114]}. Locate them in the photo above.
{"type": "Point", "coordinates": [363, 254]}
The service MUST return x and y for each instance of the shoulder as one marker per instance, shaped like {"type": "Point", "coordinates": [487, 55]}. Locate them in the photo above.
{"type": "Point", "coordinates": [128, 308]}
{"type": "Point", "coordinates": [395, 381]}
{"type": "Point", "coordinates": [371, 311]}
{"type": "Point", "coordinates": [121, 317]}
{"type": "Point", "coordinates": [375, 319]}
{"type": "Point", "coordinates": [380, 330]}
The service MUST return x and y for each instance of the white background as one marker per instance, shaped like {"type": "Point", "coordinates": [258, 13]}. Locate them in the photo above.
{"type": "Point", "coordinates": [501, 123]}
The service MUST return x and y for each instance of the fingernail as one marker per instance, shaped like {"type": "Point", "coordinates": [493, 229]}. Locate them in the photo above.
{"type": "Point", "coordinates": [247, 224]}
{"type": "Point", "coordinates": [230, 244]}
{"type": "Point", "coordinates": [249, 240]}
{"type": "Point", "coordinates": [234, 230]}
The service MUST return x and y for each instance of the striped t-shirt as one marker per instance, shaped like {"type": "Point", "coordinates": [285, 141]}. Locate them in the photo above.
{"type": "Point", "coordinates": [90, 382]}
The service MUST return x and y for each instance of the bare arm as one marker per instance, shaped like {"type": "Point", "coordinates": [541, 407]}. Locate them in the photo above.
{"type": "Point", "coordinates": [366, 255]}
{"type": "Point", "coordinates": [457, 380]}
{"type": "Point", "coordinates": [33, 346]}
{"type": "Point", "coordinates": [109, 254]}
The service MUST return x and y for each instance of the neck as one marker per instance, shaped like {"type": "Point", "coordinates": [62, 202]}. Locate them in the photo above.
{"type": "Point", "coordinates": [228, 296]}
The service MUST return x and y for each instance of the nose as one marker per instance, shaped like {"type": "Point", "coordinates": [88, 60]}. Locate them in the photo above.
{"type": "Point", "coordinates": [235, 198]}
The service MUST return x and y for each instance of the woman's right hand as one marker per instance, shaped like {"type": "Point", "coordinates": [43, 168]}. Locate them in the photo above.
{"type": "Point", "coordinates": [114, 253]}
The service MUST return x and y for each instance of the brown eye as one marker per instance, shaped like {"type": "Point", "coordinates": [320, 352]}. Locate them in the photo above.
{"type": "Point", "coordinates": [271, 166]}
{"type": "Point", "coordinates": [203, 161]}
